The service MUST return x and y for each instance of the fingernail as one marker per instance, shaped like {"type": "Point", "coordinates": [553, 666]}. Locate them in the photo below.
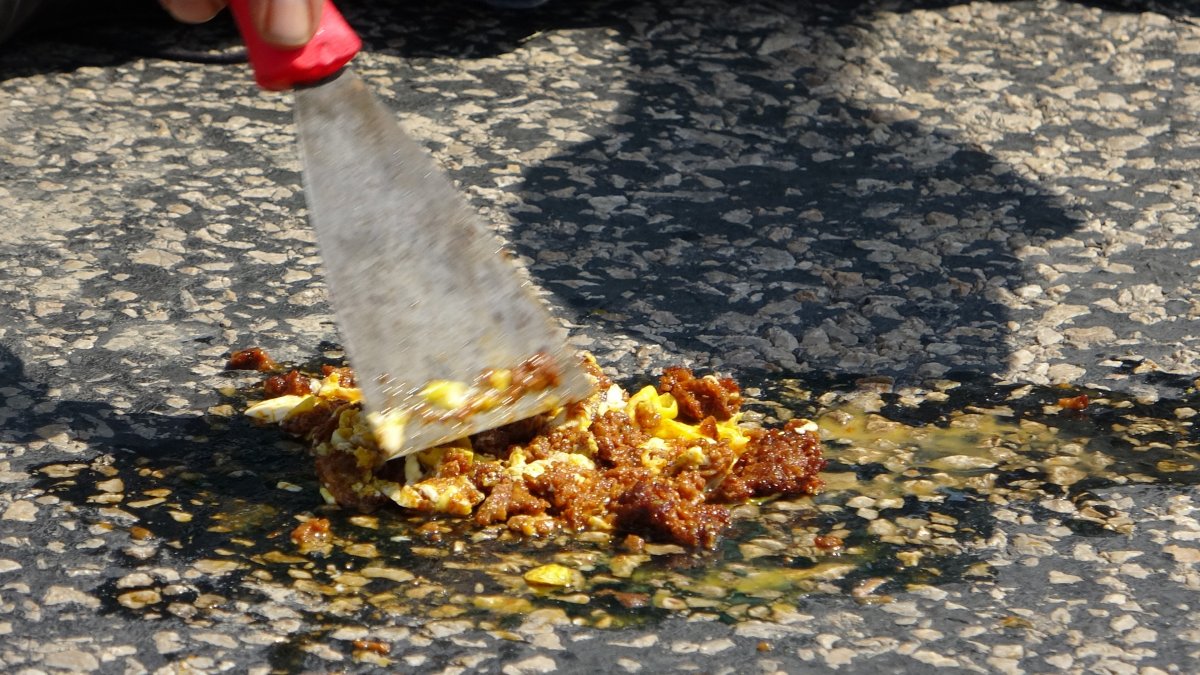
{"type": "Point", "coordinates": [288, 23]}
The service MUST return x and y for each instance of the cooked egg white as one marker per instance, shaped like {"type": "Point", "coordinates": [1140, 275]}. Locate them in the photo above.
{"type": "Point", "coordinates": [274, 409]}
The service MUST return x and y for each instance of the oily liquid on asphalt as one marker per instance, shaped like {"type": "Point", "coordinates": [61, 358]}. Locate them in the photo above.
{"type": "Point", "coordinates": [914, 485]}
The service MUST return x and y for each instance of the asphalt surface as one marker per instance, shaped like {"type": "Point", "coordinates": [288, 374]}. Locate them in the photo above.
{"type": "Point", "coordinates": [924, 195]}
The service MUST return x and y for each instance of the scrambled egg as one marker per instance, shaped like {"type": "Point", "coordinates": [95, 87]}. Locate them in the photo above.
{"type": "Point", "coordinates": [274, 410]}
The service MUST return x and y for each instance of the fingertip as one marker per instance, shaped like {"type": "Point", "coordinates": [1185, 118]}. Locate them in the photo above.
{"type": "Point", "coordinates": [287, 23]}
{"type": "Point", "coordinates": [192, 11]}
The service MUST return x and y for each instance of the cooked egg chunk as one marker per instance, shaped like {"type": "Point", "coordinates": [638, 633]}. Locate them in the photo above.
{"type": "Point", "coordinates": [274, 409]}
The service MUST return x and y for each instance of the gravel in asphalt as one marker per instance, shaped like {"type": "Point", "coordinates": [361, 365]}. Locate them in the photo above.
{"type": "Point", "coordinates": [930, 220]}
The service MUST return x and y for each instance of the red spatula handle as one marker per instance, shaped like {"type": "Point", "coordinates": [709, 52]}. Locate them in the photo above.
{"type": "Point", "coordinates": [277, 69]}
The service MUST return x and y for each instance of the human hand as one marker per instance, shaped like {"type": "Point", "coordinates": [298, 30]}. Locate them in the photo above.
{"type": "Point", "coordinates": [283, 23]}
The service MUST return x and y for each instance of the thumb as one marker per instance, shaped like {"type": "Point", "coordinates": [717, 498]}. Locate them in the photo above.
{"type": "Point", "coordinates": [285, 23]}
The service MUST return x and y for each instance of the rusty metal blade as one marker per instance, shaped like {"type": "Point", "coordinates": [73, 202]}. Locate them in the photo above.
{"type": "Point", "coordinates": [421, 290]}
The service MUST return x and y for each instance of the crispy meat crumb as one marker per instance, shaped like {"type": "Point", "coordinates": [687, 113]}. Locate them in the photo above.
{"type": "Point", "coordinates": [708, 396]}
{"type": "Point", "coordinates": [375, 646]}
{"type": "Point", "coordinates": [312, 534]}
{"type": "Point", "coordinates": [828, 542]}
{"type": "Point", "coordinates": [1074, 403]}
{"type": "Point", "coordinates": [253, 358]}
{"type": "Point", "coordinates": [672, 510]}
{"type": "Point", "coordinates": [294, 383]}
{"type": "Point", "coordinates": [775, 462]}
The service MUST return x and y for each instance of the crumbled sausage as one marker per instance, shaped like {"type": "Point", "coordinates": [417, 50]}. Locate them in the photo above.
{"type": "Point", "coordinates": [703, 397]}
{"type": "Point", "coordinates": [313, 533]}
{"type": "Point", "coordinates": [455, 462]}
{"type": "Point", "coordinates": [570, 439]}
{"type": "Point", "coordinates": [617, 438]}
{"type": "Point", "coordinates": [536, 373]}
{"type": "Point", "coordinates": [319, 421]}
{"type": "Point", "coordinates": [828, 542]}
{"type": "Point", "coordinates": [775, 462]}
{"type": "Point", "coordinates": [672, 510]}
{"type": "Point", "coordinates": [253, 358]}
{"type": "Point", "coordinates": [496, 442]}
{"type": "Point", "coordinates": [294, 383]}
{"type": "Point", "coordinates": [508, 498]}
{"type": "Point", "coordinates": [341, 475]}
{"type": "Point", "coordinates": [1079, 402]}
{"type": "Point", "coordinates": [373, 646]}
{"type": "Point", "coordinates": [345, 376]}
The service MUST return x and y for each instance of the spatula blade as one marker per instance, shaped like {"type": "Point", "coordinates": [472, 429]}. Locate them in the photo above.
{"type": "Point", "coordinates": [423, 293]}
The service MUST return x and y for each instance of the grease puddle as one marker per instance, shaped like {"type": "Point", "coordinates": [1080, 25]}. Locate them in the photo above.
{"type": "Point", "coordinates": [917, 482]}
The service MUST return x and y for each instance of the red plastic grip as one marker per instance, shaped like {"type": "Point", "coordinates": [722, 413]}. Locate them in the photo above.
{"type": "Point", "coordinates": [276, 69]}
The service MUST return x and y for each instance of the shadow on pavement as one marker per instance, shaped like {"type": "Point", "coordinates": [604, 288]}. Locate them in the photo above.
{"type": "Point", "coordinates": [737, 203]}
{"type": "Point", "coordinates": [742, 210]}
{"type": "Point", "coordinates": [165, 465]}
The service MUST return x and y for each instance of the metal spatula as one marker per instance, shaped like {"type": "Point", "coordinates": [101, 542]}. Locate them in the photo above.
{"type": "Point", "coordinates": [445, 336]}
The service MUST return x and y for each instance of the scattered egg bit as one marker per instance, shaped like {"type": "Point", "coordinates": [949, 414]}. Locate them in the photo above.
{"type": "Point", "coordinates": [665, 463]}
